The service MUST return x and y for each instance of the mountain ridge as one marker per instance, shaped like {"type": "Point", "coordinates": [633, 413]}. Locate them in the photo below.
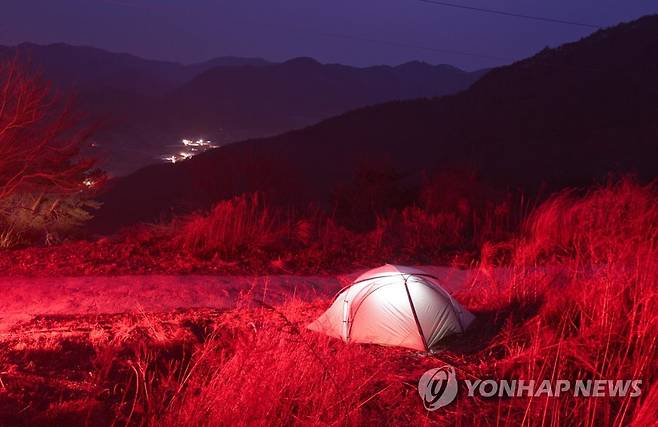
{"type": "Point", "coordinates": [148, 106]}
{"type": "Point", "coordinates": [564, 117]}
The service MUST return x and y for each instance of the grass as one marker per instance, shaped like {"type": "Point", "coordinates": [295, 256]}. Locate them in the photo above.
{"type": "Point", "coordinates": [243, 235]}
{"type": "Point", "coordinates": [572, 296]}
{"type": "Point", "coordinates": [241, 227]}
{"type": "Point", "coordinates": [590, 310]}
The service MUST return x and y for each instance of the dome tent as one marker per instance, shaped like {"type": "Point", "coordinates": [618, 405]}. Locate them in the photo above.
{"type": "Point", "coordinates": [395, 306]}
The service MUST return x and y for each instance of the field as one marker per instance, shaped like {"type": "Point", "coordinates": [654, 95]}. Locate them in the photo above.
{"type": "Point", "coordinates": [571, 294]}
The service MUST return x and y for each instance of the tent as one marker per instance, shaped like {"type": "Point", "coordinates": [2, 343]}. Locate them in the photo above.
{"type": "Point", "coordinates": [396, 306]}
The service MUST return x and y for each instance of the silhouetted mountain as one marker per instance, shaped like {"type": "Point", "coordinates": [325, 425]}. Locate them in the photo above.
{"type": "Point", "coordinates": [566, 116]}
{"type": "Point", "coordinates": [84, 68]}
{"type": "Point", "coordinates": [229, 61]}
{"type": "Point", "coordinates": [302, 91]}
{"type": "Point", "coordinates": [147, 106]}
{"type": "Point", "coordinates": [122, 91]}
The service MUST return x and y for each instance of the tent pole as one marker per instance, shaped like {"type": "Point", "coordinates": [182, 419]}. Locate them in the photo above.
{"type": "Point", "coordinates": [413, 310]}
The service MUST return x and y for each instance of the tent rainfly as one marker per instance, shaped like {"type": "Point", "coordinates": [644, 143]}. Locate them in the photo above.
{"type": "Point", "coordinates": [394, 306]}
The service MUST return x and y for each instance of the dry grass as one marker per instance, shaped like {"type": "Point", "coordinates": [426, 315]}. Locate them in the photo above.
{"type": "Point", "coordinates": [244, 230]}
{"type": "Point", "coordinates": [244, 235]}
{"type": "Point", "coordinates": [240, 227]}
{"type": "Point", "coordinates": [584, 276]}
{"type": "Point", "coordinates": [578, 301]}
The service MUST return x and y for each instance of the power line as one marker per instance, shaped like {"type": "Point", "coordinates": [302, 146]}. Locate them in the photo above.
{"type": "Point", "coordinates": [512, 14]}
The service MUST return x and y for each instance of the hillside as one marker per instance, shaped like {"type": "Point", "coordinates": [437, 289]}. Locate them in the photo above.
{"type": "Point", "coordinates": [147, 106]}
{"type": "Point", "coordinates": [230, 103]}
{"type": "Point", "coordinates": [82, 68]}
{"type": "Point", "coordinates": [301, 91]}
{"type": "Point", "coordinates": [120, 91]}
{"type": "Point", "coordinates": [566, 116]}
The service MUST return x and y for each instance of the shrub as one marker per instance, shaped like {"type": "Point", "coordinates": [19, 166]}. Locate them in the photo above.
{"type": "Point", "coordinates": [40, 137]}
{"type": "Point", "coordinates": [43, 219]}
{"type": "Point", "coordinates": [42, 176]}
{"type": "Point", "coordinates": [418, 236]}
{"type": "Point", "coordinates": [238, 228]}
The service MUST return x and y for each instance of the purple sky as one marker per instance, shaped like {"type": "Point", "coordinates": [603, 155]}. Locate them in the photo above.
{"type": "Point", "coordinates": [358, 32]}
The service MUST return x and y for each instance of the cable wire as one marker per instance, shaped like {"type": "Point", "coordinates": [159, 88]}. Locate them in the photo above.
{"type": "Point", "coordinates": [512, 14]}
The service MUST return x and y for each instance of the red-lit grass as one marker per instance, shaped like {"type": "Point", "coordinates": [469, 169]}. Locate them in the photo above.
{"type": "Point", "coordinates": [245, 235]}
{"type": "Point", "coordinates": [577, 302]}
{"type": "Point", "coordinates": [417, 234]}
{"type": "Point", "coordinates": [584, 276]}
{"type": "Point", "coordinates": [574, 296]}
{"type": "Point", "coordinates": [241, 227]}
{"type": "Point", "coordinates": [281, 374]}
{"type": "Point", "coordinates": [245, 229]}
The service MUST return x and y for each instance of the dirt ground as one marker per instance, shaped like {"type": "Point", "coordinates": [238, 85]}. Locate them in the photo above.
{"type": "Point", "coordinates": [24, 298]}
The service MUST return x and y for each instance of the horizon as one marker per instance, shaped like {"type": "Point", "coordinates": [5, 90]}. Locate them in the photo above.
{"type": "Point", "coordinates": [371, 33]}
{"type": "Point", "coordinates": [82, 46]}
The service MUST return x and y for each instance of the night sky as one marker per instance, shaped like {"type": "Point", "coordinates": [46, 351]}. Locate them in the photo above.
{"type": "Point", "coordinates": [358, 32]}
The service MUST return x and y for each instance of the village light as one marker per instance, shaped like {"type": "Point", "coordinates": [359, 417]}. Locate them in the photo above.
{"type": "Point", "coordinates": [192, 149]}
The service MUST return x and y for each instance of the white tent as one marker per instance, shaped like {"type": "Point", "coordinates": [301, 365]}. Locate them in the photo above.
{"type": "Point", "coordinates": [394, 305]}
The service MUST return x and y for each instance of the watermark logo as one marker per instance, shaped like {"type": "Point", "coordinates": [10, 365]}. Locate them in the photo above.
{"type": "Point", "coordinates": [557, 388]}
{"type": "Point", "coordinates": [438, 387]}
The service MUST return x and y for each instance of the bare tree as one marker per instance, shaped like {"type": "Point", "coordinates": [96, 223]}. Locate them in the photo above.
{"type": "Point", "coordinates": [40, 137]}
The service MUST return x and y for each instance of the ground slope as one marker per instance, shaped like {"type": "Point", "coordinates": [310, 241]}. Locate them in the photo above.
{"type": "Point", "coordinates": [566, 116]}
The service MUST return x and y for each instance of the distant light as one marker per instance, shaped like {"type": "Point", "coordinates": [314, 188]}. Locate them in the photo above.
{"type": "Point", "coordinates": [193, 148]}
{"type": "Point", "coordinates": [171, 159]}
{"type": "Point", "coordinates": [197, 143]}
{"type": "Point", "coordinates": [89, 182]}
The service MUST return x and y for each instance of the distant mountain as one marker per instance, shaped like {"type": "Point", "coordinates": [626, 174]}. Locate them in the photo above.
{"type": "Point", "coordinates": [302, 91]}
{"type": "Point", "coordinates": [229, 61]}
{"type": "Point", "coordinates": [84, 68]}
{"type": "Point", "coordinates": [566, 116]}
{"type": "Point", "coordinates": [121, 91]}
{"type": "Point", "coordinates": [147, 106]}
